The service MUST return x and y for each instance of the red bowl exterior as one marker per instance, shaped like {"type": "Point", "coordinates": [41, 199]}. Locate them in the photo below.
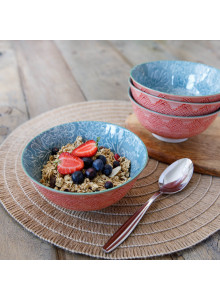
{"type": "Point", "coordinates": [172, 127]}
{"type": "Point", "coordinates": [86, 202]}
{"type": "Point", "coordinates": [193, 99]}
{"type": "Point", "coordinates": [172, 107]}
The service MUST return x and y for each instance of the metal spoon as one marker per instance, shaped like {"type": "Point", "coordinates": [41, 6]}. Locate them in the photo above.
{"type": "Point", "coordinates": [173, 179]}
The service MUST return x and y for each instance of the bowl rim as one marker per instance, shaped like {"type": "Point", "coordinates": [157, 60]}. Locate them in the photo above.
{"type": "Point", "coordinates": [175, 95]}
{"type": "Point", "coordinates": [84, 193]}
{"type": "Point", "coordinates": [172, 116]}
{"type": "Point", "coordinates": [171, 100]}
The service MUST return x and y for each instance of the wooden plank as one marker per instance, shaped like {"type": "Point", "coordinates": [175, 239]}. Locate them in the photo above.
{"type": "Point", "coordinates": [47, 81]}
{"type": "Point", "coordinates": [12, 107]}
{"type": "Point", "coordinates": [16, 243]}
{"type": "Point", "coordinates": [137, 52]}
{"type": "Point", "coordinates": [206, 52]}
{"type": "Point", "coordinates": [98, 68]}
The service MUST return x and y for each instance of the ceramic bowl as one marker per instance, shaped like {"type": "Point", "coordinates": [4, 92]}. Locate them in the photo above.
{"type": "Point", "coordinates": [117, 138]}
{"type": "Point", "coordinates": [178, 80]}
{"type": "Point", "coordinates": [172, 107]}
{"type": "Point", "coordinates": [170, 128]}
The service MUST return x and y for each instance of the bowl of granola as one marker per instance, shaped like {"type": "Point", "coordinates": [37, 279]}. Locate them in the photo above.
{"type": "Point", "coordinates": [84, 165]}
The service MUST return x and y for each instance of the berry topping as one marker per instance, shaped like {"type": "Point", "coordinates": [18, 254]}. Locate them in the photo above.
{"type": "Point", "coordinates": [103, 158]}
{"type": "Point", "coordinates": [54, 151]}
{"type": "Point", "coordinates": [87, 149]}
{"type": "Point", "coordinates": [116, 157]}
{"type": "Point", "coordinates": [107, 170]}
{"type": "Point", "coordinates": [87, 162]}
{"type": "Point", "coordinates": [78, 177]}
{"type": "Point", "coordinates": [68, 164]}
{"type": "Point", "coordinates": [90, 173]}
{"type": "Point", "coordinates": [98, 164]}
{"type": "Point", "coordinates": [108, 185]}
{"type": "Point", "coordinates": [116, 163]}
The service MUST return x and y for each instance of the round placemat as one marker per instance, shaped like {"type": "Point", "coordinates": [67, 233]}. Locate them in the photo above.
{"type": "Point", "coordinates": [172, 223]}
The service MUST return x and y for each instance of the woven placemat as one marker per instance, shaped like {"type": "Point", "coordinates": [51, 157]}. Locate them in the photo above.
{"type": "Point", "coordinates": [173, 223]}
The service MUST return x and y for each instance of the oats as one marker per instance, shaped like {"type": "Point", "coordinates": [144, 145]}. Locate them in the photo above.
{"type": "Point", "coordinates": [119, 175]}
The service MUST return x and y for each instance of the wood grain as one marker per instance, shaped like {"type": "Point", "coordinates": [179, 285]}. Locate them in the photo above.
{"type": "Point", "coordinates": [98, 68]}
{"type": "Point", "coordinates": [46, 79]}
{"type": "Point", "coordinates": [12, 106]}
{"type": "Point", "coordinates": [206, 52]}
{"type": "Point", "coordinates": [202, 149]}
{"type": "Point", "coordinates": [15, 242]}
{"type": "Point", "coordinates": [136, 52]}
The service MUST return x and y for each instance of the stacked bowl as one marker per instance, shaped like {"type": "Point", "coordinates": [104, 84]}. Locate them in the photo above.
{"type": "Point", "coordinates": [175, 100]}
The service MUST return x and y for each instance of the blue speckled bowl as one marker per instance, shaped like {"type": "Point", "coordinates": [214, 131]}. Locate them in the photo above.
{"type": "Point", "coordinates": [117, 138]}
{"type": "Point", "coordinates": [178, 80]}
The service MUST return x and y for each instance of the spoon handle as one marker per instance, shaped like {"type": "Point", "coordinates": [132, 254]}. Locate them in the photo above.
{"type": "Point", "coordinates": [124, 231]}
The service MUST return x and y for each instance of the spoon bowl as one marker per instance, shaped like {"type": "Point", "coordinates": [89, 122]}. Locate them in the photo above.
{"type": "Point", "coordinates": [176, 176]}
{"type": "Point", "coordinates": [172, 180]}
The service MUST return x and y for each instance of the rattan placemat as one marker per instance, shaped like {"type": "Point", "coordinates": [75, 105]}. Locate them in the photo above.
{"type": "Point", "coordinates": [173, 223]}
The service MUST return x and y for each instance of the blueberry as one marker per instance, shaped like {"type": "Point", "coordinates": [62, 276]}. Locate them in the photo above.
{"type": "Point", "coordinates": [116, 164]}
{"type": "Point", "coordinates": [108, 185]}
{"type": "Point", "coordinates": [90, 173]}
{"type": "Point", "coordinates": [98, 164]}
{"type": "Point", "coordinates": [54, 151]}
{"type": "Point", "coordinates": [87, 162]}
{"type": "Point", "coordinates": [77, 177]}
{"type": "Point", "coordinates": [107, 169]}
{"type": "Point", "coordinates": [103, 158]}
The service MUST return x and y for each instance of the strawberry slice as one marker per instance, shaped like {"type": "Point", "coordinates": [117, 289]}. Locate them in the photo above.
{"type": "Point", "coordinates": [87, 149]}
{"type": "Point", "coordinates": [69, 164]}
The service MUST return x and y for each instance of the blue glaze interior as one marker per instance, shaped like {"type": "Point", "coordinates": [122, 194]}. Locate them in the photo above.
{"type": "Point", "coordinates": [118, 139]}
{"type": "Point", "coordinates": [178, 77]}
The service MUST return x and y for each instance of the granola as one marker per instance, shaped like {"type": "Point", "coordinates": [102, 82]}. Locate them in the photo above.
{"type": "Point", "coordinates": [52, 178]}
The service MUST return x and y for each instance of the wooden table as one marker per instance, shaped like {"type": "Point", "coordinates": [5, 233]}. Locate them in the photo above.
{"type": "Point", "coordinates": [37, 76]}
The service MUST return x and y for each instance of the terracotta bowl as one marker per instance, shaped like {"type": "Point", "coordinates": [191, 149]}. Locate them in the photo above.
{"type": "Point", "coordinates": [118, 139]}
{"type": "Point", "coordinates": [172, 107]}
{"type": "Point", "coordinates": [178, 80]}
{"type": "Point", "coordinates": [170, 128]}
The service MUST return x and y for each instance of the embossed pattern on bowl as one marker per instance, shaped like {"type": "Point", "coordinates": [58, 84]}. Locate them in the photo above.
{"type": "Point", "coordinates": [172, 107]}
{"type": "Point", "coordinates": [178, 80]}
{"type": "Point", "coordinates": [169, 126]}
